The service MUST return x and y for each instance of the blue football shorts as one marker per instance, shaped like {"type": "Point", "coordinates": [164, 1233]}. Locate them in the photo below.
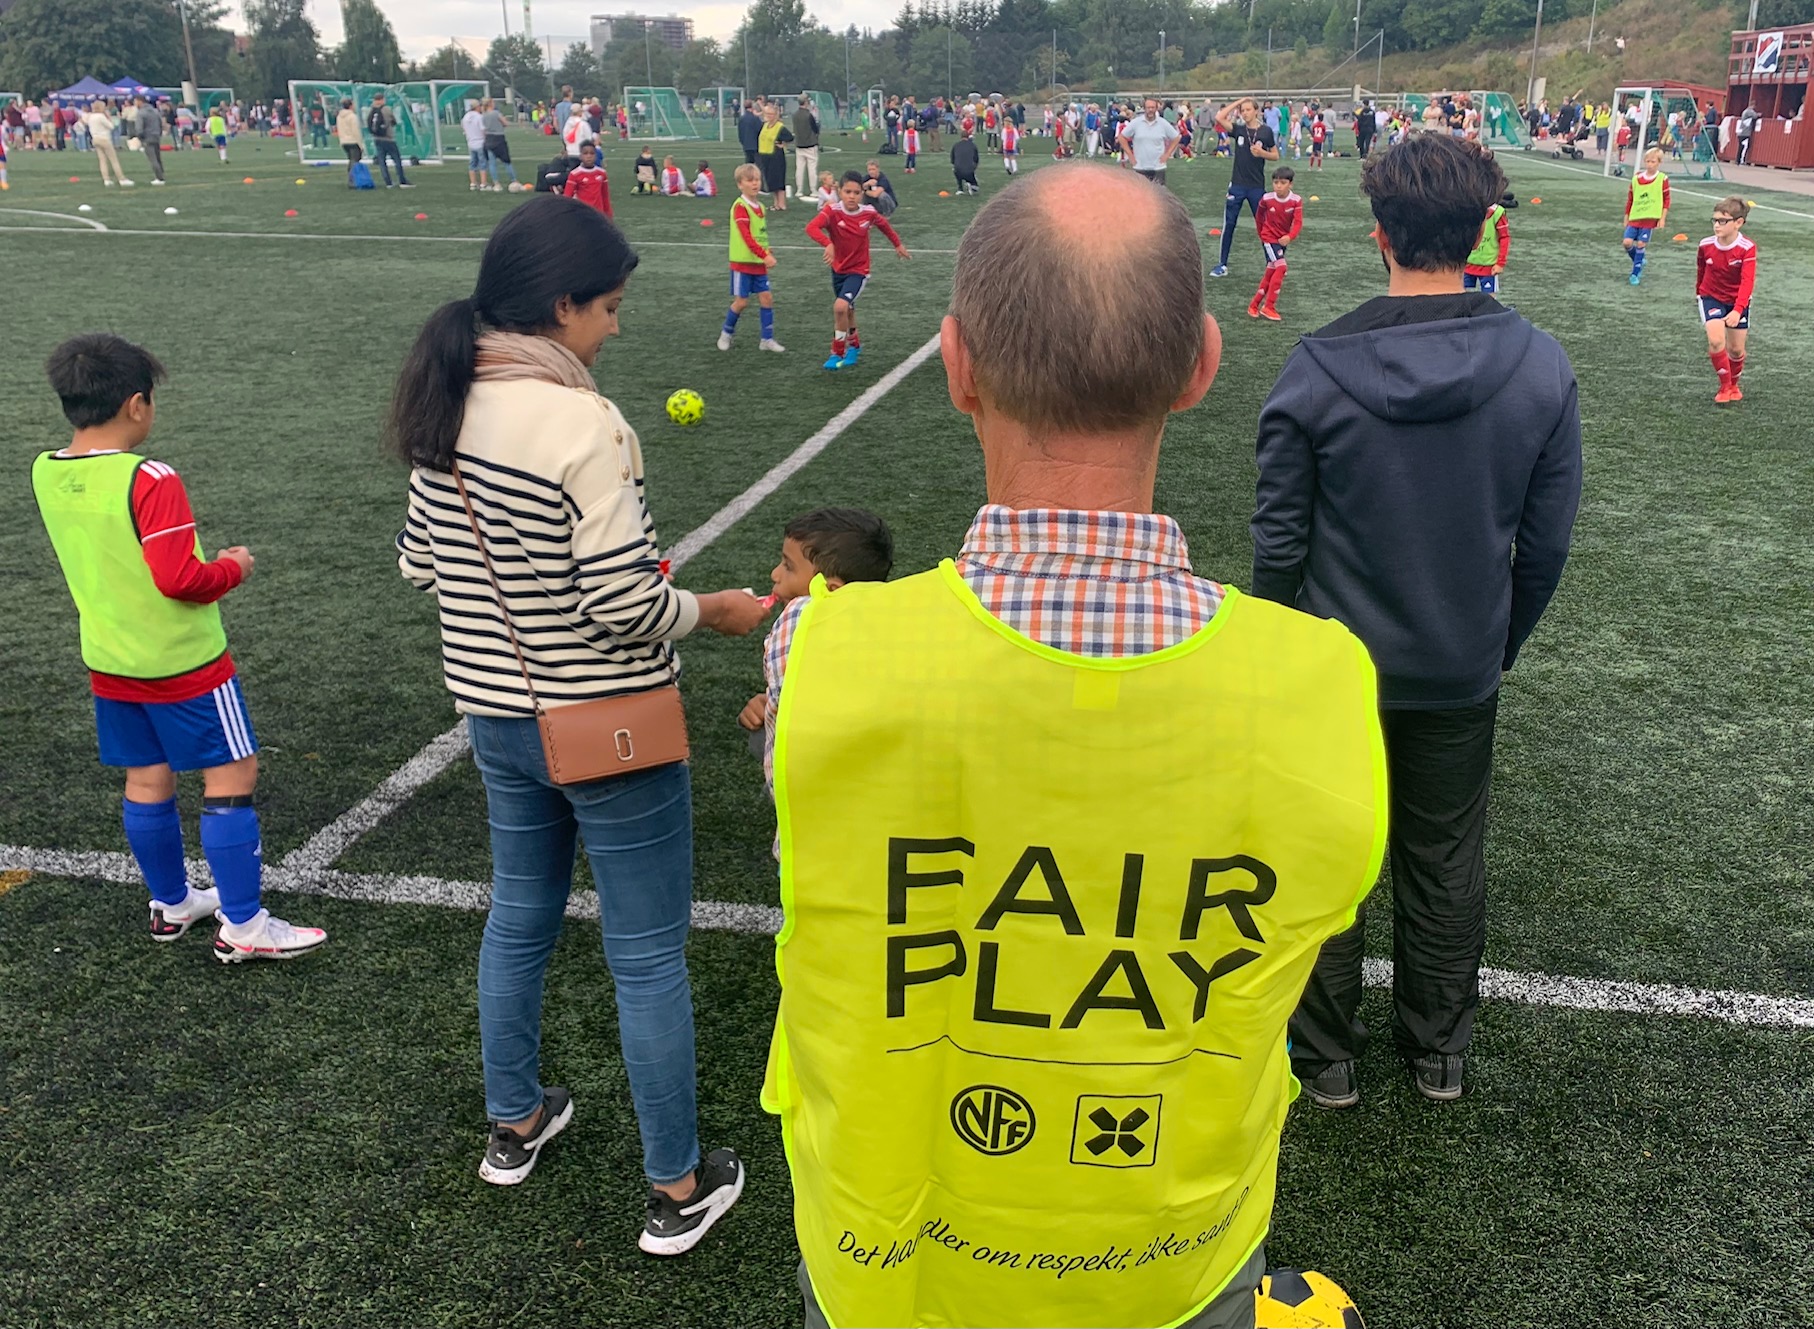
{"type": "Point", "coordinates": [210, 730]}
{"type": "Point", "coordinates": [1641, 234]}
{"type": "Point", "coordinates": [1476, 282]}
{"type": "Point", "coordinates": [847, 286]}
{"type": "Point", "coordinates": [1712, 310]}
{"type": "Point", "coordinates": [747, 285]}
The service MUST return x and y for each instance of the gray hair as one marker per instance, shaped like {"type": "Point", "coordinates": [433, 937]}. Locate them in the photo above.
{"type": "Point", "coordinates": [1065, 334]}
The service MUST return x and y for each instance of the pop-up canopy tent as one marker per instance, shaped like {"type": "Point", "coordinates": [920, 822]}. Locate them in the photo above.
{"type": "Point", "coordinates": [89, 89]}
{"type": "Point", "coordinates": [131, 87]}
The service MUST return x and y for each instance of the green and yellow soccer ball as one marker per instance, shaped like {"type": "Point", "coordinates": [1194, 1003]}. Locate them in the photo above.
{"type": "Point", "coordinates": [1303, 1299]}
{"type": "Point", "coordinates": [686, 407]}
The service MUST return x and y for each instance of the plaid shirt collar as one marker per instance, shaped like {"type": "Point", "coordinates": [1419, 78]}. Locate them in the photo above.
{"type": "Point", "coordinates": [1098, 544]}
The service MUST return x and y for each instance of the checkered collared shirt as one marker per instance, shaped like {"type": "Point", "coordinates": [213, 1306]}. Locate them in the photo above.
{"type": "Point", "coordinates": [1090, 583]}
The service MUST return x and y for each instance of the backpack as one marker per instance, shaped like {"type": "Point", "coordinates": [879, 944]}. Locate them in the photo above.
{"type": "Point", "coordinates": [361, 176]}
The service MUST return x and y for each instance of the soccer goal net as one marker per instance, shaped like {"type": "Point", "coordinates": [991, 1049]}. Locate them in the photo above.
{"type": "Point", "coordinates": [450, 100]}
{"type": "Point", "coordinates": [720, 107]}
{"type": "Point", "coordinates": [411, 104]}
{"type": "Point", "coordinates": [1668, 119]}
{"type": "Point", "coordinates": [658, 113]}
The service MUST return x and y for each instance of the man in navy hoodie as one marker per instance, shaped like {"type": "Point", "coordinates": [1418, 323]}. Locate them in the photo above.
{"type": "Point", "coordinates": [1420, 468]}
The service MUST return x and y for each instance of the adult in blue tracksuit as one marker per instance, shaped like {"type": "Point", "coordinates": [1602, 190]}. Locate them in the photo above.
{"type": "Point", "coordinates": [1251, 145]}
{"type": "Point", "coordinates": [1420, 468]}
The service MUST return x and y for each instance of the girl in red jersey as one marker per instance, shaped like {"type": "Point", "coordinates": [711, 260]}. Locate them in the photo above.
{"type": "Point", "coordinates": [1725, 272]}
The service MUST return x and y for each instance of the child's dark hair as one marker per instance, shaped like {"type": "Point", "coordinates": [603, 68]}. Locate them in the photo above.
{"type": "Point", "coordinates": [853, 178]}
{"type": "Point", "coordinates": [704, 167]}
{"type": "Point", "coordinates": [1429, 195]}
{"type": "Point", "coordinates": [1284, 173]}
{"type": "Point", "coordinates": [97, 373]}
{"type": "Point", "coordinates": [847, 543]}
{"type": "Point", "coordinates": [548, 248]}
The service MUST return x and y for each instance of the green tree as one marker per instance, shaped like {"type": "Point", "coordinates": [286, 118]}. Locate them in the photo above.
{"type": "Point", "coordinates": [701, 66]}
{"type": "Point", "coordinates": [284, 45]}
{"type": "Point", "coordinates": [1337, 30]}
{"type": "Point", "coordinates": [1300, 49]}
{"type": "Point", "coordinates": [449, 61]}
{"type": "Point", "coordinates": [1432, 23]}
{"type": "Point", "coordinates": [49, 44]}
{"type": "Point", "coordinates": [774, 32]}
{"type": "Point", "coordinates": [579, 70]}
{"type": "Point", "coordinates": [516, 62]}
{"type": "Point", "coordinates": [368, 50]}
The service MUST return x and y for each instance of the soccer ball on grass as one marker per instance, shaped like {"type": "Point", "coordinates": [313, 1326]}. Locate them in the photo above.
{"type": "Point", "coordinates": [1303, 1299]}
{"type": "Point", "coordinates": [686, 407]}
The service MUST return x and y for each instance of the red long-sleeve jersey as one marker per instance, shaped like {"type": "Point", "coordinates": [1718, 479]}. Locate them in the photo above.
{"type": "Point", "coordinates": [166, 526]}
{"type": "Point", "coordinates": [1727, 275]}
{"type": "Point", "coordinates": [1631, 193]}
{"type": "Point", "coordinates": [1280, 219]}
{"type": "Point", "coordinates": [590, 186]}
{"type": "Point", "coordinates": [847, 233]}
{"type": "Point", "coordinates": [1502, 232]}
{"type": "Point", "coordinates": [741, 212]}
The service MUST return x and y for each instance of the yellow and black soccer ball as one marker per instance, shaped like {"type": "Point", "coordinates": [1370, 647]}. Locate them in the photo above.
{"type": "Point", "coordinates": [1303, 1299]}
{"type": "Point", "coordinates": [686, 407]}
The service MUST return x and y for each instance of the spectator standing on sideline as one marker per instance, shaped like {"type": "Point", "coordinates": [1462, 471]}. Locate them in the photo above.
{"type": "Point", "coordinates": [772, 155]}
{"type": "Point", "coordinates": [1420, 468]}
{"type": "Point", "coordinates": [1746, 128]}
{"type": "Point", "coordinates": [961, 705]}
{"type": "Point", "coordinates": [1251, 145]}
{"type": "Point", "coordinates": [511, 423]}
{"type": "Point", "coordinates": [1148, 142]}
{"type": "Point", "coordinates": [563, 108]}
{"type": "Point", "coordinates": [148, 128]}
{"type": "Point", "coordinates": [382, 126]}
{"type": "Point", "coordinates": [100, 134]}
{"type": "Point", "coordinates": [749, 132]}
{"type": "Point", "coordinates": [1365, 127]}
{"type": "Point", "coordinates": [472, 125]}
{"type": "Point", "coordinates": [806, 147]}
{"type": "Point", "coordinates": [352, 141]}
{"type": "Point", "coordinates": [497, 147]}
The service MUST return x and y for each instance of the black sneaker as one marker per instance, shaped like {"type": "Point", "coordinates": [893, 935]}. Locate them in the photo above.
{"type": "Point", "coordinates": [1438, 1076]}
{"type": "Point", "coordinates": [510, 1157]}
{"type": "Point", "coordinates": [674, 1227]}
{"type": "Point", "coordinates": [1333, 1087]}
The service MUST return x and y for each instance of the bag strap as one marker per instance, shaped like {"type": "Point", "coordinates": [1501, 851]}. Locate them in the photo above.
{"type": "Point", "coordinates": [491, 576]}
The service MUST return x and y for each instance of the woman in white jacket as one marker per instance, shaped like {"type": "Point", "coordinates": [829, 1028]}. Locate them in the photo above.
{"type": "Point", "coordinates": [100, 134]}
{"type": "Point", "coordinates": [501, 383]}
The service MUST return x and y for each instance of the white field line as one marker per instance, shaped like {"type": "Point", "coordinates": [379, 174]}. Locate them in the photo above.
{"type": "Point", "coordinates": [61, 216]}
{"type": "Point", "coordinates": [1740, 190]}
{"type": "Point", "coordinates": [1527, 989]}
{"type": "Point", "coordinates": [324, 848]}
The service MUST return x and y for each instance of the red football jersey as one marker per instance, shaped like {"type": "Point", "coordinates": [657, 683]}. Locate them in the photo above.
{"type": "Point", "coordinates": [1726, 275]}
{"type": "Point", "coordinates": [1280, 219]}
{"type": "Point", "coordinates": [848, 235]}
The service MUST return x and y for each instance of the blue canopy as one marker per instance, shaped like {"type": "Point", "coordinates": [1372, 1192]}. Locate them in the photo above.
{"type": "Point", "coordinates": [89, 89]}
{"type": "Point", "coordinates": [131, 87]}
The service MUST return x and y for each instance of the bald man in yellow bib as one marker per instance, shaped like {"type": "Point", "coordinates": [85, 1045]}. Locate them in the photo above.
{"type": "Point", "coordinates": [1063, 826]}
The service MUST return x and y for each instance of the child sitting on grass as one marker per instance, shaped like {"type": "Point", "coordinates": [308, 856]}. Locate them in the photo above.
{"type": "Point", "coordinates": [673, 183]}
{"type": "Point", "coordinates": [841, 545]}
{"type": "Point", "coordinates": [645, 173]}
{"type": "Point", "coordinates": [705, 184]}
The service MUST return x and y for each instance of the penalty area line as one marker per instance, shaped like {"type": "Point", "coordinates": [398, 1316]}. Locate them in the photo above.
{"type": "Point", "coordinates": [1557, 991]}
{"type": "Point", "coordinates": [324, 848]}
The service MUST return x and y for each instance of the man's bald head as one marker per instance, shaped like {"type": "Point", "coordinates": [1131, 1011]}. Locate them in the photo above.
{"type": "Point", "coordinates": [1064, 331]}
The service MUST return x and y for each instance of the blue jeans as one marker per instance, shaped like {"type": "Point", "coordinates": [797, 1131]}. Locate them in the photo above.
{"type": "Point", "coordinates": [638, 833]}
{"type": "Point", "coordinates": [1231, 215]}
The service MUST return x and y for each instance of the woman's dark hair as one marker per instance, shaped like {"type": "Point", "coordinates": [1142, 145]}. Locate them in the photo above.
{"type": "Point", "coordinates": [548, 248]}
{"type": "Point", "coordinates": [1430, 195]}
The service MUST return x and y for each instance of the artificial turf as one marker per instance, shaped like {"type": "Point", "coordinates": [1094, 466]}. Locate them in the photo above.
{"type": "Point", "coordinates": [299, 1144]}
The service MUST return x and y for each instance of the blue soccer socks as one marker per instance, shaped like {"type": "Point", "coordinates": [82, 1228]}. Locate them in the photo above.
{"type": "Point", "coordinates": [730, 320]}
{"type": "Point", "coordinates": [768, 323]}
{"type": "Point", "coordinates": [155, 832]}
{"type": "Point", "coordinates": [235, 852]}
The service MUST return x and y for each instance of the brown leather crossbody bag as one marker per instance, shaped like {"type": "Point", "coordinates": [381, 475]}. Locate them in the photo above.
{"type": "Point", "coordinates": [593, 740]}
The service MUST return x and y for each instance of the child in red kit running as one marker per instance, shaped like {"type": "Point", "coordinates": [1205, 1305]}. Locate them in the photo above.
{"type": "Point", "coordinates": [587, 181]}
{"type": "Point", "coordinates": [1488, 257]}
{"type": "Point", "coordinates": [1281, 218]}
{"type": "Point", "coordinates": [166, 694]}
{"type": "Point", "coordinates": [843, 231]}
{"type": "Point", "coordinates": [1319, 135]}
{"type": "Point", "coordinates": [1726, 271]}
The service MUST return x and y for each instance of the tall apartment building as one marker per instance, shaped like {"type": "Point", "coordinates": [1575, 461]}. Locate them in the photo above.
{"type": "Point", "coordinates": [670, 29]}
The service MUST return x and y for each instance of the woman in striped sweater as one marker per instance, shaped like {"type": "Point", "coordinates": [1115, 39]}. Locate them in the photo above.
{"type": "Point", "coordinates": [500, 382]}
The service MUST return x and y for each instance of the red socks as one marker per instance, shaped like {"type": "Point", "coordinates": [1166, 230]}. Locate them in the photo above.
{"type": "Point", "coordinates": [1274, 280]}
{"type": "Point", "coordinates": [1722, 365]}
{"type": "Point", "coordinates": [1738, 366]}
{"type": "Point", "coordinates": [838, 339]}
{"type": "Point", "coordinates": [855, 340]}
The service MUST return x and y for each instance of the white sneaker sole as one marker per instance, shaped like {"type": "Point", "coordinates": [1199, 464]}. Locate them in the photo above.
{"type": "Point", "coordinates": [236, 955]}
{"type": "Point", "coordinates": [501, 1176]}
{"type": "Point", "coordinates": [716, 1205]}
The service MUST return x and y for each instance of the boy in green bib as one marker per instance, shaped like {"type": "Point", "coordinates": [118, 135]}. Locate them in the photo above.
{"type": "Point", "coordinates": [166, 694]}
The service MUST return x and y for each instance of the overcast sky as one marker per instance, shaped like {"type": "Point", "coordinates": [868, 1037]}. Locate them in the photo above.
{"type": "Point", "coordinates": [423, 25]}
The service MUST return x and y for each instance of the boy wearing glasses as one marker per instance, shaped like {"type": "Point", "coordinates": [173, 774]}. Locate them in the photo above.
{"type": "Point", "coordinates": [1725, 272]}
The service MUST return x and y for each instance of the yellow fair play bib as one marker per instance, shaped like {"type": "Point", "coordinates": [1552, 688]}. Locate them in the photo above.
{"type": "Point", "coordinates": [1046, 918]}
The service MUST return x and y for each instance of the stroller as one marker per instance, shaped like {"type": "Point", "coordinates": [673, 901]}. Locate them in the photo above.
{"type": "Point", "coordinates": [1569, 143]}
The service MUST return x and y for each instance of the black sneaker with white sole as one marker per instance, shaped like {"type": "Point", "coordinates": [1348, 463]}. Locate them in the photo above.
{"type": "Point", "coordinates": [510, 1157]}
{"type": "Point", "coordinates": [1332, 1087]}
{"type": "Point", "coordinates": [1438, 1076]}
{"type": "Point", "coordinates": [674, 1227]}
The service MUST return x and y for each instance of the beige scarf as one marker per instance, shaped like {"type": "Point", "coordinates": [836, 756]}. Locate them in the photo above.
{"type": "Point", "coordinates": [504, 356]}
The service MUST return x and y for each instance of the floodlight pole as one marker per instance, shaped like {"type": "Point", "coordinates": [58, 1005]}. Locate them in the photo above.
{"type": "Point", "coordinates": [1268, 62]}
{"type": "Point", "coordinates": [1530, 88]}
{"type": "Point", "coordinates": [189, 46]}
{"type": "Point", "coordinates": [1357, 5]}
{"type": "Point", "coordinates": [1053, 91]}
{"type": "Point", "coordinates": [1592, 18]}
{"type": "Point", "coordinates": [1161, 59]}
{"type": "Point", "coordinates": [504, 9]}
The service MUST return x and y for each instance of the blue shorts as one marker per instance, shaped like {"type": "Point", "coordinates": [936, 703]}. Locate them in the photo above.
{"type": "Point", "coordinates": [475, 159]}
{"type": "Point", "coordinates": [1274, 253]}
{"type": "Point", "coordinates": [220, 140]}
{"type": "Point", "coordinates": [1639, 233]}
{"type": "Point", "coordinates": [1712, 310]}
{"type": "Point", "coordinates": [744, 285]}
{"type": "Point", "coordinates": [847, 286]}
{"type": "Point", "coordinates": [210, 730]}
{"type": "Point", "coordinates": [1474, 282]}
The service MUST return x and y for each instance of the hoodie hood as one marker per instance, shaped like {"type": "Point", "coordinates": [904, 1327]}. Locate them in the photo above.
{"type": "Point", "coordinates": [1424, 358]}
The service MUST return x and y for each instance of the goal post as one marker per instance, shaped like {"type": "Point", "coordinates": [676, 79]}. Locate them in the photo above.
{"type": "Point", "coordinates": [727, 106]}
{"type": "Point", "coordinates": [307, 96]}
{"type": "Point", "coordinates": [1623, 99]}
{"type": "Point", "coordinates": [449, 100]}
{"type": "Point", "coordinates": [658, 113]}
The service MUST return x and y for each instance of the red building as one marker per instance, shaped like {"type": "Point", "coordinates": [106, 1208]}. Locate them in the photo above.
{"type": "Point", "coordinates": [1769, 70]}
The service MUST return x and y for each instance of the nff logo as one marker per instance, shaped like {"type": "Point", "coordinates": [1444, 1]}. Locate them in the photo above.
{"type": "Point", "coordinates": [992, 1120]}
